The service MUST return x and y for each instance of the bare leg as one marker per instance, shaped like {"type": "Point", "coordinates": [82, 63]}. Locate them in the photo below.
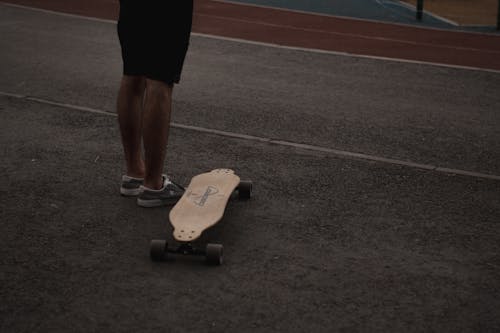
{"type": "Point", "coordinates": [156, 126]}
{"type": "Point", "coordinates": [129, 109]}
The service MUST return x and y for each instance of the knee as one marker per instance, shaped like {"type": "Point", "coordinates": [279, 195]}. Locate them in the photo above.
{"type": "Point", "coordinates": [134, 84]}
{"type": "Point", "coordinates": [158, 88]}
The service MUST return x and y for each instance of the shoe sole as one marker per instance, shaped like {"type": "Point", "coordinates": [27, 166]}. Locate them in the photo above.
{"type": "Point", "coordinates": [156, 202]}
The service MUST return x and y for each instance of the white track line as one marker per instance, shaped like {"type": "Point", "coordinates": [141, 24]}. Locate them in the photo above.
{"type": "Point", "coordinates": [292, 48]}
{"type": "Point", "coordinates": [53, 12]}
{"type": "Point", "coordinates": [347, 54]}
{"type": "Point", "coordinates": [283, 143]}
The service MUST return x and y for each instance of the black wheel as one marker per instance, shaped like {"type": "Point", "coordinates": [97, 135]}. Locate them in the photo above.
{"type": "Point", "coordinates": [245, 189]}
{"type": "Point", "coordinates": [158, 251]}
{"type": "Point", "coordinates": [214, 254]}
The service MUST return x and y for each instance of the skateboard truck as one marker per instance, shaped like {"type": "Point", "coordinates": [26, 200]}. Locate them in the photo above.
{"type": "Point", "coordinates": [201, 207]}
{"type": "Point", "coordinates": [160, 251]}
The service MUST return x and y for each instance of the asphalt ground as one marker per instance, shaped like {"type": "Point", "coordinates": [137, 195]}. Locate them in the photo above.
{"type": "Point", "coordinates": [355, 223]}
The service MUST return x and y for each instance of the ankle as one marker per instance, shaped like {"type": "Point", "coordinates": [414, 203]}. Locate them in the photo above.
{"type": "Point", "coordinates": [154, 184]}
{"type": "Point", "coordinates": [135, 175]}
{"type": "Point", "coordinates": [136, 172]}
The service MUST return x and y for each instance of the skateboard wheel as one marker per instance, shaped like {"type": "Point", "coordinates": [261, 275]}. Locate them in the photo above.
{"type": "Point", "coordinates": [245, 189]}
{"type": "Point", "coordinates": [158, 251]}
{"type": "Point", "coordinates": [214, 254]}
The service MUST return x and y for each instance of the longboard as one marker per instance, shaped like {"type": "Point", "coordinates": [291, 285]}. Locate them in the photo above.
{"type": "Point", "coordinates": [201, 207]}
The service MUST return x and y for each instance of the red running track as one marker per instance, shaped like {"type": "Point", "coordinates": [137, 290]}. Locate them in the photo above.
{"type": "Point", "coordinates": [314, 31]}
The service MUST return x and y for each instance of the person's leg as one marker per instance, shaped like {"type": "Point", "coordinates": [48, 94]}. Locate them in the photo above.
{"type": "Point", "coordinates": [129, 109]}
{"type": "Point", "coordinates": [155, 130]}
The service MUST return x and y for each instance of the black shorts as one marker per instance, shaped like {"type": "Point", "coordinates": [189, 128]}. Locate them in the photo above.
{"type": "Point", "coordinates": [154, 37]}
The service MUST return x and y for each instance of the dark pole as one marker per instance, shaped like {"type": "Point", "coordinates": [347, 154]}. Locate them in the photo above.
{"type": "Point", "coordinates": [420, 9]}
{"type": "Point", "coordinates": [498, 16]}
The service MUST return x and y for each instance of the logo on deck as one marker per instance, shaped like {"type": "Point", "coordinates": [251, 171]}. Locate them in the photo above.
{"type": "Point", "coordinates": [201, 200]}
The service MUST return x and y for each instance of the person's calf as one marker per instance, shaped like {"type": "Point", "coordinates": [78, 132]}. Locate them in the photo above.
{"type": "Point", "coordinates": [156, 125]}
{"type": "Point", "coordinates": [129, 109]}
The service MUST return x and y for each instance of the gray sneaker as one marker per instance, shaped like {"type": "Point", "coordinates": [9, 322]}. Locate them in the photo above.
{"type": "Point", "coordinates": [131, 186]}
{"type": "Point", "coordinates": [168, 195]}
